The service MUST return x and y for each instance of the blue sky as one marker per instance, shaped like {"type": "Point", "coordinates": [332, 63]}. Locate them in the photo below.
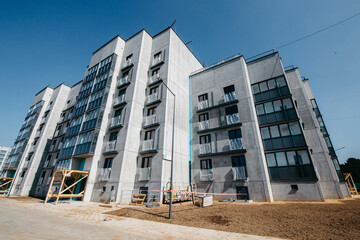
{"type": "Point", "coordinates": [49, 42]}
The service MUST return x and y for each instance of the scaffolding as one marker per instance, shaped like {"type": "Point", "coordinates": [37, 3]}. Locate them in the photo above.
{"type": "Point", "coordinates": [5, 183]}
{"type": "Point", "coordinates": [351, 184]}
{"type": "Point", "coordinates": [67, 190]}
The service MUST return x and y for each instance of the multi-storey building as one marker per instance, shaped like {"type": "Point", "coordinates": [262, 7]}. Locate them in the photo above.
{"type": "Point", "coordinates": [254, 128]}
{"type": "Point", "coordinates": [4, 152]}
{"type": "Point", "coordinates": [254, 133]}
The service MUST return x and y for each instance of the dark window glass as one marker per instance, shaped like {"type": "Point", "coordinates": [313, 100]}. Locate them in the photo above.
{"type": "Point", "coordinates": [206, 164]}
{"type": "Point", "coordinates": [153, 90]}
{"type": "Point", "coordinates": [118, 112]}
{"type": "Point", "coordinates": [122, 92]}
{"type": "Point", "coordinates": [233, 134]}
{"type": "Point", "coordinates": [146, 162]}
{"type": "Point", "coordinates": [238, 161]}
{"type": "Point", "coordinates": [205, 139]}
{"type": "Point", "coordinates": [229, 89]}
{"type": "Point", "coordinates": [203, 97]}
{"type": "Point", "coordinates": [149, 135]}
{"type": "Point", "coordinates": [108, 162]}
{"type": "Point", "coordinates": [203, 117]}
{"type": "Point", "coordinates": [231, 110]}
{"type": "Point", "coordinates": [151, 111]}
{"type": "Point", "coordinates": [113, 136]}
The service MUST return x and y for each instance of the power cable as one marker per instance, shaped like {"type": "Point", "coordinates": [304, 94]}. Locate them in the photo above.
{"type": "Point", "coordinates": [319, 31]}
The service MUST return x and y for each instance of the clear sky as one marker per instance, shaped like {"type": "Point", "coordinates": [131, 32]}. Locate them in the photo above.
{"type": "Point", "coordinates": [49, 42]}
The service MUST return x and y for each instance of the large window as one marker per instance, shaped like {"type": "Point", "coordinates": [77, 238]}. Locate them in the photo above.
{"type": "Point", "coordinates": [290, 165]}
{"type": "Point", "coordinates": [205, 139]}
{"type": "Point", "coordinates": [272, 88]}
{"type": "Point", "coordinates": [203, 97]}
{"type": "Point", "coordinates": [275, 111]}
{"type": "Point", "coordinates": [108, 162]}
{"type": "Point", "coordinates": [281, 136]}
{"type": "Point", "coordinates": [234, 134]}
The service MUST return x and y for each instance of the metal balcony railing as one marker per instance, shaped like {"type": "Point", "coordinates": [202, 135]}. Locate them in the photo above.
{"type": "Point", "coordinates": [239, 173]}
{"type": "Point", "coordinates": [144, 174]}
{"type": "Point", "coordinates": [204, 125]}
{"type": "Point", "coordinates": [115, 121]}
{"type": "Point", "coordinates": [206, 175]}
{"type": "Point", "coordinates": [203, 104]}
{"type": "Point", "coordinates": [228, 97]}
{"type": "Point", "coordinates": [105, 174]}
{"type": "Point", "coordinates": [123, 80]}
{"type": "Point", "coordinates": [120, 99]}
{"type": "Point", "coordinates": [153, 79]}
{"type": "Point", "coordinates": [232, 118]}
{"type": "Point", "coordinates": [235, 144]}
{"type": "Point", "coordinates": [152, 98]}
{"type": "Point", "coordinates": [110, 146]}
{"type": "Point", "coordinates": [150, 120]}
{"type": "Point", "coordinates": [205, 148]}
{"type": "Point", "coordinates": [148, 145]}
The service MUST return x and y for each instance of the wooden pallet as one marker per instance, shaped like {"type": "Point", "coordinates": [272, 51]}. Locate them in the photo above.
{"type": "Point", "coordinates": [138, 199]}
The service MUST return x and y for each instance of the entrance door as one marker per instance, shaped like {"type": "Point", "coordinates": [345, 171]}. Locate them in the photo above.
{"type": "Point", "coordinates": [144, 190]}
{"type": "Point", "coordinates": [245, 193]}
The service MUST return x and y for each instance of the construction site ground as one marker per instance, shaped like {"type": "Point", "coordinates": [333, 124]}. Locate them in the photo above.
{"type": "Point", "coordinates": [29, 218]}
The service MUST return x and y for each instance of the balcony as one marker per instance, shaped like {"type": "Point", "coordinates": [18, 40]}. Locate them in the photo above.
{"type": "Point", "coordinates": [235, 144]}
{"type": "Point", "coordinates": [144, 174]}
{"type": "Point", "coordinates": [38, 133]}
{"type": "Point", "coordinates": [232, 119]}
{"type": "Point", "coordinates": [205, 148]}
{"type": "Point", "coordinates": [127, 64]}
{"type": "Point", "coordinates": [239, 173]}
{"type": "Point", "coordinates": [154, 79]}
{"type": "Point", "coordinates": [157, 61]}
{"type": "Point", "coordinates": [119, 100]}
{"type": "Point", "coordinates": [152, 98]}
{"type": "Point", "coordinates": [150, 121]}
{"type": "Point", "coordinates": [148, 146]}
{"type": "Point", "coordinates": [203, 104]}
{"type": "Point", "coordinates": [26, 164]}
{"type": "Point", "coordinates": [110, 147]}
{"type": "Point", "coordinates": [230, 97]}
{"type": "Point", "coordinates": [123, 81]}
{"type": "Point", "coordinates": [204, 125]}
{"type": "Point", "coordinates": [206, 175]}
{"type": "Point", "coordinates": [105, 174]}
{"type": "Point", "coordinates": [115, 122]}
{"type": "Point", "coordinates": [32, 148]}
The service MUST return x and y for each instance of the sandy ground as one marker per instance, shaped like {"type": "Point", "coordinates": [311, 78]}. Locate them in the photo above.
{"type": "Point", "coordinates": [335, 219]}
{"type": "Point", "coordinates": [29, 218]}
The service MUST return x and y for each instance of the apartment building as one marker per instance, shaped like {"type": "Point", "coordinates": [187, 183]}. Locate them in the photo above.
{"type": "Point", "coordinates": [256, 132]}
{"type": "Point", "coordinates": [4, 152]}
{"type": "Point", "coordinates": [33, 139]}
{"type": "Point", "coordinates": [120, 126]}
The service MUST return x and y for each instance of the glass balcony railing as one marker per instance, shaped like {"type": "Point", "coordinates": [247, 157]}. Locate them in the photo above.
{"type": "Point", "coordinates": [204, 125]}
{"type": "Point", "coordinates": [235, 144]}
{"type": "Point", "coordinates": [120, 99]}
{"type": "Point", "coordinates": [115, 121]}
{"type": "Point", "coordinates": [149, 120]}
{"type": "Point", "coordinates": [123, 80]}
{"type": "Point", "coordinates": [206, 175]}
{"type": "Point", "coordinates": [105, 174]}
{"type": "Point", "coordinates": [144, 174]}
{"type": "Point", "coordinates": [152, 98]}
{"type": "Point", "coordinates": [239, 173]}
{"type": "Point", "coordinates": [148, 145]}
{"type": "Point", "coordinates": [232, 118]}
{"type": "Point", "coordinates": [110, 146]}
{"type": "Point", "coordinates": [205, 148]}
{"type": "Point", "coordinates": [203, 104]}
{"type": "Point", "coordinates": [228, 97]}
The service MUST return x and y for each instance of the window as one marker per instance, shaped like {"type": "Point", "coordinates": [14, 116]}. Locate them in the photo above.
{"type": "Point", "coordinates": [108, 162]}
{"type": "Point", "coordinates": [203, 97]}
{"type": "Point", "coordinates": [229, 89]}
{"type": "Point", "coordinates": [205, 139]}
{"type": "Point", "coordinates": [238, 161]}
{"type": "Point", "coordinates": [295, 128]}
{"type": "Point", "coordinates": [290, 165]}
{"type": "Point", "coordinates": [29, 157]}
{"type": "Point", "coordinates": [118, 112]}
{"type": "Point", "coordinates": [49, 157]}
{"type": "Point", "coordinates": [146, 162]}
{"type": "Point", "coordinates": [231, 110]}
{"type": "Point", "coordinates": [128, 58]}
{"type": "Point", "coordinates": [233, 134]}
{"type": "Point", "coordinates": [157, 57]}
{"type": "Point", "coordinates": [113, 136]}
{"type": "Point", "coordinates": [149, 135]}
{"type": "Point", "coordinates": [284, 130]}
{"type": "Point", "coordinates": [155, 72]}
{"type": "Point", "coordinates": [268, 107]}
{"type": "Point", "coordinates": [205, 164]}
{"type": "Point", "coordinates": [203, 117]}
{"type": "Point", "coordinates": [153, 90]}
{"type": "Point", "coordinates": [265, 133]}
{"type": "Point", "coordinates": [151, 111]}
{"type": "Point", "coordinates": [122, 92]}
{"type": "Point", "coordinates": [22, 174]}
